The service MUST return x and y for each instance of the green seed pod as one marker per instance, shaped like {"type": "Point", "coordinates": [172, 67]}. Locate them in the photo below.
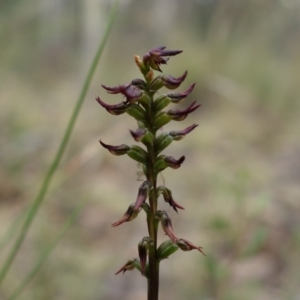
{"type": "Point", "coordinates": [137, 153]}
{"type": "Point", "coordinates": [160, 164]}
{"type": "Point", "coordinates": [145, 101]}
{"type": "Point", "coordinates": [156, 84]}
{"type": "Point", "coordinates": [161, 102]}
{"type": "Point", "coordinates": [137, 112]}
{"type": "Point", "coordinates": [162, 142]}
{"type": "Point", "coordinates": [161, 120]}
{"type": "Point", "coordinates": [166, 249]}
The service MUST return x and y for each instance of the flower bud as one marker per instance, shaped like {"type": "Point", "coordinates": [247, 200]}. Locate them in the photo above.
{"type": "Point", "coordinates": [180, 134]}
{"type": "Point", "coordinates": [161, 119]}
{"type": "Point", "coordinates": [129, 215]}
{"type": "Point", "coordinates": [137, 153]}
{"type": "Point", "coordinates": [179, 115]}
{"type": "Point", "coordinates": [160, 103]}
{"type": "Point", "coordinates": [143, 68]}
{"type": "Point", "coordinates": [162, 142]}
{"type": "Point", "coordinates": [188, 246]}
{"type": "Point", "coordinates": [116, 109]}
{"type": "Point", "coordinates": [142, 194]}
{"type": "Point", "coordinates": [171, 82]}
{"type": "Point", "coordinates": [166, 249]}
{"type": "Point", "coordinates": [173, 163]}
{"type": "Point", "coordinates": [137, 112]}
{"type": "Point", "coordinates": [116, 150]}
{"type": "Point", "coordinates": [178, 97]}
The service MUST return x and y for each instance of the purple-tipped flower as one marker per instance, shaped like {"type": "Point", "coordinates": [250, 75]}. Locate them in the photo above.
{"type": "Point", "coordinates": [171, 82]}
{"type": "Point", "coordinates": [155, 57]}
{"type": "Point", "coordinates": [174, 163]}
{"type": "Point", "coordinates": [166, 224]}
{"type": "Point", "coordinates": [178, 97]}
{"type": "Point", "coordinates": [116, 150]}
{"type": "Point", "coordinates": [116, 109]}
{"type": "Point", "coordinates": [130, 265]}
{"type": "Point", "coordinates": [138, 134]}
{"type": "Point", "coordinates": [180, 134]}
{"type": "Point", "coordinates": [167, 194]}
{"type": "Point", "coordinates": [180, 115]}
{"type": "Point", "coordinates": [131, 92]}
{"type": "Point", "coordinates": [188, 246]}
{"type": "Point", "coordinates": [143, 247]}
{"type": "Point", "coordinates": [129, 215]}
{"type": "Point", "coordinates": [142, 194]}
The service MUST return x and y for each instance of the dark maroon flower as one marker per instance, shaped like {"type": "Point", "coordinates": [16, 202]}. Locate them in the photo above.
{"type": "Point", "coordinates": [130, 214]}
{"type": "Point", "coordinates": [171, 82]}
{"type": "Point", "coordinates": [174, 163]}
{"type": "Point", "coordinates": [116, 150]}
{"type": "Point", "coordinates": [167, 194]}
{"type": "Point", "coordinates": [116, 109]}
{"type": "Point", "coordinates": [155, 57]}
{"type": "Point", "coordinates": [166, 224]}
{"type": "Point", "coordinates": [178, 97]}
{"type": "Point", "coordinates": [143, 250]}
{"type": "Point", "coordinates": [138, 134]}
{"type": "Point", "coordinates": [142, 194]}
{"type": "Point", "coordinates": [131, 92]}
{"type": "Point", "coordinates": [180, 134]}
{"type": "Point", "coordinates": [188, 246]}
{"type": "Point", "coordinates": [130, 265]}
{"type": "Point", "coordinates": [179, 115]}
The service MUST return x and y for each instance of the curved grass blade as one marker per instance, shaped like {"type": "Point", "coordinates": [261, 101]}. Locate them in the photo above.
{"type": "Point", "coordinates": [46, 182]}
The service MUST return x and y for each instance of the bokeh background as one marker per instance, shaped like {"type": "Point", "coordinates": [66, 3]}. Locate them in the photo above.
{"type": "Point", "coordinates": [240, 181]}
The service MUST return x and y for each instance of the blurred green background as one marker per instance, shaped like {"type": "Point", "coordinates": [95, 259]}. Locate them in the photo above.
{"type": "Point", "coordinates": [240, 181]}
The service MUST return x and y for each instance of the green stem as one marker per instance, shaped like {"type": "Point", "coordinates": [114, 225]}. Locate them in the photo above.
{"type": "Point", "coordinates": [45, 184]}
{"type": "Point", "coordinates": [153, 276]}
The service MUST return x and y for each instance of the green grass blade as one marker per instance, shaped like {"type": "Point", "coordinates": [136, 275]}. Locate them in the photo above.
{"type": "Point", "coordinates": [45, 184]}
{"type": "Point", "coordinates": [47, 252]}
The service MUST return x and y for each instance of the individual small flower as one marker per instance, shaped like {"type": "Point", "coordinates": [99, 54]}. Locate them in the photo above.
{"type": "Point", "coordinates": [171, 82]}
{"type": "Point", "coordinates": [188, 246]}
{"type": "Point", "coordinates": [129, 215]}
{"type": "Point", "coordinates": [143, 250]}
{"type": "Point", "coordinates": [173, 163]}
{"type": "Point", "coordinates": [138, 134]}
{"type": "Point", "coordinates": [116, 109]}
{"type": "Point", "coordinates": [180, 134]}
{"type": "Point", "coordinates": [166, 224]}
{"type": "Point", "coordinates": [167, 194]}
{"type": "Point", "coordinates": [130, 265]}
{"type": "Point", "coordinates": [142, 194]}
{"type": "Point", "coordinates": [178, 97]}
{"type": "Point", "coordinates": [155, 57]}
{"type": "Point", "coordinates": [131, 92]}
{"type": "Point", "coordinates": [116, 150]}
{"type": "Point", "coordinates": [179, 115]}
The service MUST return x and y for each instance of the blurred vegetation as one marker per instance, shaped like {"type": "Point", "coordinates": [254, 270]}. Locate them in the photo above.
{"type": "Point", "coordinates": [240, 181]}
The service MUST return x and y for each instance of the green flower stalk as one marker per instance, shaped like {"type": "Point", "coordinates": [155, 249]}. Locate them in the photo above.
{"type": "Point", "coordinates": [146, 105]}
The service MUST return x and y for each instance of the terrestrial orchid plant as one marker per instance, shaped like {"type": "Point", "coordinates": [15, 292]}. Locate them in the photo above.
{"type": "Point", "coordinates": [145, 104]}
